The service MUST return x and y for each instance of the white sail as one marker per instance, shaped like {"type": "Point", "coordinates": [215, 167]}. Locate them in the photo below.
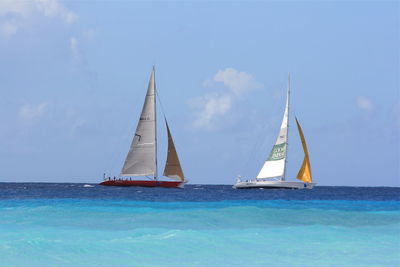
{"type": "Point", "coordinates": [141, 158]}
{"type": "Point", "coordinates": [274, 166]}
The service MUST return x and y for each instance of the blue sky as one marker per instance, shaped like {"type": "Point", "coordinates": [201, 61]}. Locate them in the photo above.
{"type": "Point", "coordinates": [74, 75]}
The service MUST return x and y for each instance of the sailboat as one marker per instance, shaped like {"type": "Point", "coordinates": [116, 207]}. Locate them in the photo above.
{"type": "Point", "coordinates": [273, 172]}
{"type": "Point", "coordinates": [142, 156]}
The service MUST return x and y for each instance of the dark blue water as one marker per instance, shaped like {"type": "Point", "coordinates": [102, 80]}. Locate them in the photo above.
{"type": "Point", "coordinates": [49, 224]}
{"type": "Point", "coordinates": [193, 193]}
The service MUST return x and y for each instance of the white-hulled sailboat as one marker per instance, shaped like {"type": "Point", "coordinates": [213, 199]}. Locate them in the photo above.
{"type": "Point", "coordinates": [272, 174]}
{"type": "Point", "coordinates": [142, 156]}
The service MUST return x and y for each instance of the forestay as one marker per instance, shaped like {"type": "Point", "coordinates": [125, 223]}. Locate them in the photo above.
{"type": "Point", "coordinates": [141, 158]}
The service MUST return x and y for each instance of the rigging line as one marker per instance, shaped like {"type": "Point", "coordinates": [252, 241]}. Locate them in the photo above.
{"type": "Point", "coordinates": [261, 143]}
{"type": "Point", "coordinates": [250, 155]}
{"type": "Point", "coordinates": [125, 133]}
{"type": "Point", "coordinates": [262, 147]}
{"type": "Point", "coordinates": [161, 105]}
{"type": "Point", "coordinates": [256, 143]}
{"type": "Point", "coordinates": [162, 108]}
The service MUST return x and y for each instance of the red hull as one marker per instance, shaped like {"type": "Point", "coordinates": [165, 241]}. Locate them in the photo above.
{"type": "Point", "coordinates": [170, 184]}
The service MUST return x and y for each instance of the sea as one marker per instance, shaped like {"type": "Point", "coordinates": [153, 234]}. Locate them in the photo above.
{"type": "Point", "coordinates": [64, 224]}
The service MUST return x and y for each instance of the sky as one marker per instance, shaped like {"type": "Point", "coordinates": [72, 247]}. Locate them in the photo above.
{"type": "Point", "coordinates": [74, 74]}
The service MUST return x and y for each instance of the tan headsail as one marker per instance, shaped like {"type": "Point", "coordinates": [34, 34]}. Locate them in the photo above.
{"type": "Point", "coordinates": [173, 167]}
{"type": "Point", "coordinates": [304, 173]}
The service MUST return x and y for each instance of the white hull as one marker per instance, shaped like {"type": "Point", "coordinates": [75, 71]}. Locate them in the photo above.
{"type": "Point", "coordinates": [273, 184]}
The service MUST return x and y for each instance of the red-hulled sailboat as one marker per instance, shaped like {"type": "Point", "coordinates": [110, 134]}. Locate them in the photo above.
{"type": "Point", "coordinates": [142, 156]}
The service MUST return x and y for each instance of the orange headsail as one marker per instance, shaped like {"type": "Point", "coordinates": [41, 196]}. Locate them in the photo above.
{"type": "Point", "coordinates": [304, 173]}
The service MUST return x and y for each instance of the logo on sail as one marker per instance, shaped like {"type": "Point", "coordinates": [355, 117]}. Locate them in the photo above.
{"type": "Point", "coordinates": [278, 152]}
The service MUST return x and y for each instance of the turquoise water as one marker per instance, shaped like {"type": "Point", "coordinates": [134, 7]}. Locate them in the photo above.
{"type": "Point", "coordinates": [98, 226]}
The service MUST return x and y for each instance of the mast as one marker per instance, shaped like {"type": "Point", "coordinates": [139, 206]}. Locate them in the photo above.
{"type": "Point", "coordinates": [141, 158]}
{"type": "Point", "coordinates": [155, 119]}
{"type": "Point", "coordinates": [287, 133]}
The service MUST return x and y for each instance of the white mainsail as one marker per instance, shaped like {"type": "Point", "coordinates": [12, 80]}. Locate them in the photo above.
{"type": "Point", "coordinates": [141, 158]}
{"type": "Point", "coordinates": [274, 166]}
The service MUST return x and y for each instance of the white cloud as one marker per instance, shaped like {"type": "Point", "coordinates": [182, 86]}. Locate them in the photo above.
{"type": "Point", "coordinates": [238, 81]}
{"type": "Point", "coordinates": [52, 8]}
{"type": "Point", "coordinates": [9, 28]}
{"type": "Point", "coordinates": [211, 106]}
{"type": "Point", "coordinates": [365, 103]}
{"type": "Point", "coordinates": [73, 45]}
{"type": "Point", "coordinates": [29, 112]}
{"type": "Point", "coordinates": [21, 8]}
{"type": "Point", "coordinates": [214, 106]}
{"type": "Point", "coordinates": [15, 15]}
